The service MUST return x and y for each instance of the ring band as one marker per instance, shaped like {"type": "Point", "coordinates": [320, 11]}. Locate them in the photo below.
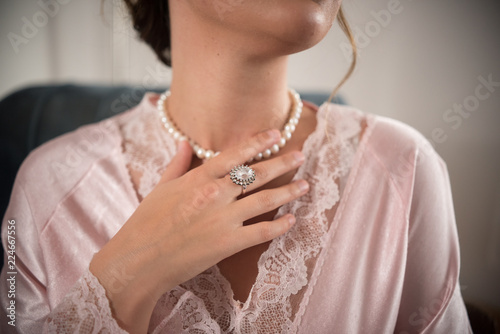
{"type": "Point", "coordinates": [242, 175]}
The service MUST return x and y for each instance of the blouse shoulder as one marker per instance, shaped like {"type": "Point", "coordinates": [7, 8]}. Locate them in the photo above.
{"type": "Point", "coordinates": [385, 137]}
{"type": "Point", "coordinates": [391, 149]}
{"type": "Point", "coordinates": [56, 167]}
{"type": "Point", "coordinates": [391, 138]}
{"type": "Point", "coordinates": [74, 152]}
{"type": "Point", "coordinates": [392, 142]}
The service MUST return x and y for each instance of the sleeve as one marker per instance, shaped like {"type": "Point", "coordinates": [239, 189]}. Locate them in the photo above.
{"type": "Point", "coordinates": [85, 309]}
{"type": "Point", "coordinates": [25, 306]}
{"type": "Point", "coordinates": [431, 300]}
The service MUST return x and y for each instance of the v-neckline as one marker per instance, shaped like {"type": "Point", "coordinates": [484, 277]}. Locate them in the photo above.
{"type": "Point", "coordinates": [306, 150]}
{"type": "Point", "coordinates": [243, 310]}
{"type": "Point", "coordinates": [240, 306]}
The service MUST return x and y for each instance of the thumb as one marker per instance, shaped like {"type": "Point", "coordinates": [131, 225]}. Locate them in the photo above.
{"type": "Point", "coordinates": [180, 162]}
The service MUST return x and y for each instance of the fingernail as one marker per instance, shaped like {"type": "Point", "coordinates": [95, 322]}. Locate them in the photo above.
{"type": "Point", "coordinates": [291, 219]}
{"type": "Point", "coordinates": [303, 185]}
{"type": "Point", "coordinates": [298, 156]}
{"type": "Point", "coordinates": [179, 143]}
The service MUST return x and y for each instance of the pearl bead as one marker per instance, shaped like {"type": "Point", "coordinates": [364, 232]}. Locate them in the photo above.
{"type": "Point", "coordinates": [258, 157]}
{"type": "Point", "coordinates": [209, 154]}
{"type": "Point", "coordinates": [200, 153]}
{"type": "Point", "coordinates": [282, 142]}
{"type": "Point", "coordinates": [275, 148]}
{"type": "Point", "coordinates": [294, 121]}
{"type": "Point", "coordinates": [267, 153]}
{"type": "Point", "coordinates": [287, 135]}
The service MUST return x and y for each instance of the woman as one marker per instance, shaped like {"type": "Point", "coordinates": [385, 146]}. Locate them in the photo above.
{"type": "Point", "coordinates": [345, 226]}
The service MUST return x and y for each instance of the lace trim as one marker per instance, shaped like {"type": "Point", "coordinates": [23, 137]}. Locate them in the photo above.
{"type": "Point", "coordinates": [146, 149]}
{"type": "Point", "coordinates": [205, 304]}
{"type": "Point", "coordinates": [180, 311]}
{"type": "Point", "coordinates": [366, 125]}
{"type": "Point", "coordinates": [85, 309]}
{"type": "Point", "coordinates": [285, 268]}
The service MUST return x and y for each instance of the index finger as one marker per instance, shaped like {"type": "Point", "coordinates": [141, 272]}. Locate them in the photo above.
{"type": "Point", "coordinates": [239, 154]}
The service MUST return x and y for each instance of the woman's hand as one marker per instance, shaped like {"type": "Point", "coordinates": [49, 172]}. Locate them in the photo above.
{"type": "Point", "coordinates": [190, 222]}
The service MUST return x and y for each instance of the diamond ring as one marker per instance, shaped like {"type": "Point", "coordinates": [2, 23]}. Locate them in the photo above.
{"type": "Point", "coordinates": [242, 175]}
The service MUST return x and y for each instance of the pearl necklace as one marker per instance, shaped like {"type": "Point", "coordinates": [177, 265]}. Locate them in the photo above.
{"type": "Point", "coordinates": [286, 133]}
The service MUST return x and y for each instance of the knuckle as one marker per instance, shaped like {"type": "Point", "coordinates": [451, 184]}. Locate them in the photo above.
{"type": "Point", "coordinates": [261, 172]}
{"type": "Point", "coordinates": [211, 190]}
{"type": "Point", "coordinates": [266, 232]}
{"type": "Point", "coordinates": [198, 199]}
{"type": "Point", "coordinates": [266, 201]}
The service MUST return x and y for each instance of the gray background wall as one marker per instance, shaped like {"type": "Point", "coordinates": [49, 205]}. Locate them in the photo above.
{"type": "Point", "coordinates": [420, 61]}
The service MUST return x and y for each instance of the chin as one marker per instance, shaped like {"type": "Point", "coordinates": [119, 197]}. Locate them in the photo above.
{"type": "Point", "coordinates": [269, 27]}
{"type": "Point", "coordinates": [298, 25]}
{"type": "Point", "coordinates": [309, 26]}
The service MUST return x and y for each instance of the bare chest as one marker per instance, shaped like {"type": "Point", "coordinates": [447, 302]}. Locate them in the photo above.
{"type": "Point", "coordinates": [241, 269]}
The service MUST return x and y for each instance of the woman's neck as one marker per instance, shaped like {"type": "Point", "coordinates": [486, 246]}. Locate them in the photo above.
{"type": "Point", "coordinates": [220, 95]}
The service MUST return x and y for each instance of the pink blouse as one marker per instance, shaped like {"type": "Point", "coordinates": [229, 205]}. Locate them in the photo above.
{"type": "Point", "coordinates": [374, 249]}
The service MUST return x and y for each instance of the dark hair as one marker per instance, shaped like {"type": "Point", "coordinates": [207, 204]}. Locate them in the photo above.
{"type": "Point", "coordinates": [151, 20]}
